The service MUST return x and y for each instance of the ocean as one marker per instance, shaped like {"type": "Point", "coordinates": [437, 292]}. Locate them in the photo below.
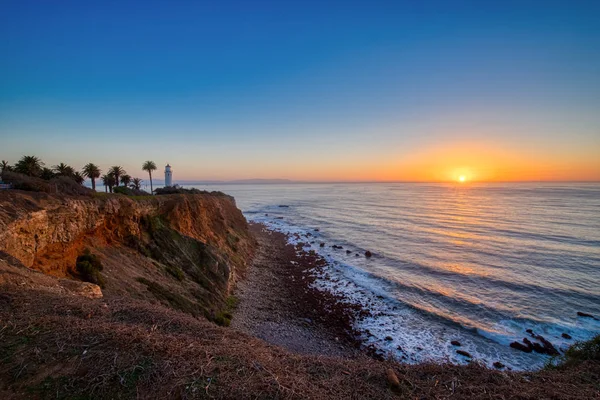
{"type": "Point", "coordinates": [476, 263]}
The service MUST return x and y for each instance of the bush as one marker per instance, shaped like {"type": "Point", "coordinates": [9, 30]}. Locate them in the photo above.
{"type": "Point", "coordinates": [59, 184]}
{"type": "Point", "coordinates": [67, 185]}
{"type": "Point", "coordinates": [578, 353]}
{"type": "Point", "coordinates": [129, 191]}
{"type": "Point", "coordinates": [177, 190]}
{"type": "Point", "coordinates": [25, 182]}
{"type": "Point", "coordinates": [582, 351]}
{"type": "Point", "coordinates": [89, 266]}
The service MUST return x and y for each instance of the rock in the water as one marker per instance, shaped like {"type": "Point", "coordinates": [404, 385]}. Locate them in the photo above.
{"type": "Point", "coordinates": [463, 353]}
{"type": "Point", "coordinates": [316, 229]}
{"type": "Point", "coordinates": [368, 253]}
{"type": "Point", "coordinates": [530, 331]}
{"type": "Point", "coordinates": [547, 346]}
{"type": "Point", "coordinates": [455, 343]}
{"type": "Point", "coordinates": [284, 206]}
{"type": "Point", "coordinates": [498, 365]}
{"type": "Point", "coordinates": [521, 346]}
{"type": "Point", "coordinates": [322, 244]}
{"type": "Point", "coordinates": [392, 379]}
{"type": "Point", "coordinates": [348, 252]}
{"type": "Point", "coordinates": [389, 338]}
{"type": "Point", "coordinates": [586, 315]}
{"type": "Point", "coordinates": [566, 336]}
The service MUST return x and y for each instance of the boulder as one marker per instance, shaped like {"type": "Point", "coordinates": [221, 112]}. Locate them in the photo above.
{"type": "Point", "coordinates": [348, 252]}
{"type": "Point", "coordinates": [368, 254]}
{"type": "Point", "coordinates": [498, 365]}
{"type": "Point", "coordinates": [392, 379]}
{"type": "Point", "coordinates": [455, 343]}
{"type": "Point", "coordinates": [463, 353]}
{"type": "Point", "coordinates": [585, 315]}
{"type": "Point", "coordinates": [547, 346]}
{"type": "Point", "coordinates": [322, 244]}
{"type": "Point", "coordinates": [389, 338]}
{"type": "Point", "coordinates": [566, 336]}
{"type": "Point", "coordinates": [521, 346]}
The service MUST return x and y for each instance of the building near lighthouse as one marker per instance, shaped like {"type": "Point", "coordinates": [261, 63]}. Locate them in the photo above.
{"type": "Point", "coordinates": [168, 176]}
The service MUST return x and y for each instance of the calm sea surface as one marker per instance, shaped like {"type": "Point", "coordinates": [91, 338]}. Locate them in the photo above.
{"type": "Point", "coordinates": [477, 263]}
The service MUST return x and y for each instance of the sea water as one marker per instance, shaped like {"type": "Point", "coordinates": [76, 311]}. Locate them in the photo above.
{"type": "Point", "coordinates": [476, 263]}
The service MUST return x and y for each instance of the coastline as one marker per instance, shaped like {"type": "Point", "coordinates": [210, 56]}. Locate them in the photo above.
{"type": "Point", "coordinates": [279, 304]}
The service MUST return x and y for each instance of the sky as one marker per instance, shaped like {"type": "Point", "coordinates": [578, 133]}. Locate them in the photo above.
{"type": "Point", "coordinates": [306, 90]}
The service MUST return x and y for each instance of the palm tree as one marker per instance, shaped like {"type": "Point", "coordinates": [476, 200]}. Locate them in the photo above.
{"type": "Point", "coordinates": [109, 181]}
{"type": "Point", "coordinates": [125, 180]}
{"type": "Point", "coordinates": [116, 171]}
{"type": "Point", "coordinates": [4, 166]}
{"type": "Point", "coordinates": [136, 183]}
{"type": "Point", "coordinates": [29, 165]}
{"type": "Point", "coordinates": [47, 174]}
{"type": "Point", "coordinates": [149, 166]}
{"type": "Point", "coordinates": [77, 177]}
{"type": "Point", "coordinates": [63, 169]}
{"type": "Point", "coordinates": [93, 172]}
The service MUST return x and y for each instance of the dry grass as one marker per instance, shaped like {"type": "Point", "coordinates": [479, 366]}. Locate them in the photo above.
{"type": "Point", "coordinates": [56, 346]}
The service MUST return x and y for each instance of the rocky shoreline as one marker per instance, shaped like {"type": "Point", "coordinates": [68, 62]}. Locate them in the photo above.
{"type": "Point", "coordinates": [278, 303]}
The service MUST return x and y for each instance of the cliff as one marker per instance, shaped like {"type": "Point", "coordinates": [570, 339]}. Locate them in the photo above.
{"type": "Point", "coordinates": [182, 250]}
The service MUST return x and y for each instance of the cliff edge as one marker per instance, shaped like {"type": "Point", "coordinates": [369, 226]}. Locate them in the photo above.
{"type": "Point", "coordinates": [182, 250]}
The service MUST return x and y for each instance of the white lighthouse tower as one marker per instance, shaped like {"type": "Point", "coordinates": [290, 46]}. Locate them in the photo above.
{"type": "Point", "coordinates": [168, 176]}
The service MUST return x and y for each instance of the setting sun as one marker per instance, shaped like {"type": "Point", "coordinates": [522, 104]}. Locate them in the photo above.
{"type": "Point", "coordinates": [462, 178]}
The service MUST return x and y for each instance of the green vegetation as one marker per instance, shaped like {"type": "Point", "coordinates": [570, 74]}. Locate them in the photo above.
{"type": "Point", "coordinates": [149, 166]}
{"type": "Point", "coordinates": [29, 165]}
{"type": "Point", "coordinates": [92, 172]}
{"type": "Point", "coordinates": [577, 354]}
{"type": "Point", "coordinates": [33, 167]}
{"type": "Point", "coordinates": [89, 266]}
{"type": "Point", "coordinates": [136, 183]}
{"type": "Point", "coordinates": [224, 317]}
{"type": "Point", "coordinates": [116, 171]}
{"type": "Point", "coordinates": [175, 300]}
{"type": "Point", "coordinates": [175, 271]}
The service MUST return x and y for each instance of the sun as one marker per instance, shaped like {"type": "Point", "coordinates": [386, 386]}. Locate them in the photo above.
{"type": "Point", "coordinates": [462, 178]}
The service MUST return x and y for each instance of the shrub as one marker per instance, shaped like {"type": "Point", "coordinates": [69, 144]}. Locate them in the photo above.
{"type": "Point", "coordinates": [129, 191]}
{"type": "Point", "coordinates": [88, 267]}
{"type": "Point", "coordinates": [59, 184]}
{"type": "Point", "coordinates": [582, 351]}
{"type": "Point", "coordinates": [176, 272]}
{"type": "Point", "coordinates": [578, 353]}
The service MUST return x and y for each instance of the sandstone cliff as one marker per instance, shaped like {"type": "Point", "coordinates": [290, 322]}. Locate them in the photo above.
{"type": "Point", "coordinates": [182, 250]}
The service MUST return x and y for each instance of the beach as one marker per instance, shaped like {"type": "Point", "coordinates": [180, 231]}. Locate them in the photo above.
{"type": "Point", "coordinates": [278, 304]}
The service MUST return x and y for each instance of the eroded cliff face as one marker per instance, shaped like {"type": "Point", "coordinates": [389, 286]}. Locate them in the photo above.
{"type": "Point", "coordinates": [192, 246]}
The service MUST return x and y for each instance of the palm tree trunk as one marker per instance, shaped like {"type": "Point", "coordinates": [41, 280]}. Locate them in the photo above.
{"type": "Point", "coordinates": [93, 184]}
{"type": "Point", "coordinates": [151, 190]}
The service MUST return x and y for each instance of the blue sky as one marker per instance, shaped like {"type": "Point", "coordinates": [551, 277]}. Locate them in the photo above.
{"type": "Point", "coordinates": [304, 90]}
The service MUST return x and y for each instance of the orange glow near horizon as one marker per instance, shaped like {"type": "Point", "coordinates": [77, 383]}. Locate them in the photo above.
{"type": "Point", "coordinates": [487, 163]}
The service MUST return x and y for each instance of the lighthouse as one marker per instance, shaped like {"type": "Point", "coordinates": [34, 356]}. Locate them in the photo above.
{"type": "Point", "coordinates": [168, 176]}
